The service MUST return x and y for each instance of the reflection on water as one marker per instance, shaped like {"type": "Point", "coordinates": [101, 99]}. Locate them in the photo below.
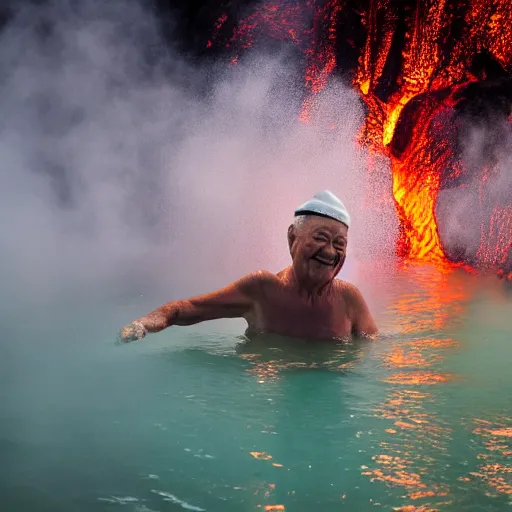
{"type": "Point", "coordinates": [408, 455]}
{"type": "Point", "coordinates": [417, 420]}
{"type": "Point", "coordinates": [429, 300]}
{"type": "Point", "coordinates": [416, 439]}
{"type": "Point", "coordinates": [417, 378]}
{"type": "Point", "coordinates": [496, 439]}
{"type": "Point", "coordinates": [271, 355]}
{"type": "Point", "coordinates": [308, 412]}
{"type": "Point", "coordinates": [415, 445]}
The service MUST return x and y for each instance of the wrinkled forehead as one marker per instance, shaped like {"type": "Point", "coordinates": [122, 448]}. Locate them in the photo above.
{"type": "Point", "coordinates": [315, 223]}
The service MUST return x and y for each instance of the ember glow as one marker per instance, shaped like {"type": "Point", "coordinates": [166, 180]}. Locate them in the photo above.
{"type": "Point", "coordinates": [410, 109]}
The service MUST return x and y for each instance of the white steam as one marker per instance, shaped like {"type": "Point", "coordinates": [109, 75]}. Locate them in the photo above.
{"type": "Point", "coordinates": [116, 169]}
{"type": "Point", "coordinates": [466, 211]}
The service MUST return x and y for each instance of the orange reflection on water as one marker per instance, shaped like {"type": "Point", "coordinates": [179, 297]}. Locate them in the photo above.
{"type": "Point", "coordinates": [261, 455]}
{"type": "Point", "coordinates": [397, 475]}
{"type": "Point", "coordinates": [265, 371]}
{"type": "Point", "coordinates": [417, 378]}
{"type": "Point", "coordinates": [497, 476]}
{"type": "Point", "coordinates": [402, 403]}
{"type": "Point", "coordinates": [409, 454]}
{"type": "Point", "coordinates": [430, 299]}
{"type": "Point", "coordinates": [270, 368]}
{"type": "Point", "coordinates": [412, 508]}
{"type": "Point", "coordinates": [267, 490]}
{"type": "Point", "coordinates": [425, 494]}
{"type": "Point", "coordinates": [496, 469]}
{"type": "Point", "coordinates": [433, 343]}
{"type": "Point", "coordinates": [400, 358]}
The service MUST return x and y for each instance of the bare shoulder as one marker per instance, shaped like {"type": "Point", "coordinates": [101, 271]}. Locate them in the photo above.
{"type": "Point", "coordinates": [254, 282]}
{"type": "Point", "coordinates": [265, 276]}
{"type": "Point", "coordinates": [362, 320]}
{"type": "Point", "coordinates": [346, 288]}
{"type": "Point", "coordinates": [349, 292]}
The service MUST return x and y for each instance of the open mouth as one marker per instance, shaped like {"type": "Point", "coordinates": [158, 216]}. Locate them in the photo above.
{"type": "Point", "coordinates": [332, 262]}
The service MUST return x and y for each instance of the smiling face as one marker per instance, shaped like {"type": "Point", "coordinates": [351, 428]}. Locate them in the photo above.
{"type": "Point", "coordinates": [318, 248]}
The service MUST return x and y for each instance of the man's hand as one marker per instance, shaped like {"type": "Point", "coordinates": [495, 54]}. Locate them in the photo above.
{"type": "Point", "coordinates": [133, 331]}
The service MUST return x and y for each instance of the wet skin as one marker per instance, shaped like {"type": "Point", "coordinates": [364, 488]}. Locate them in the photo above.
{"type": "Point", "coordinates": [304, 300]}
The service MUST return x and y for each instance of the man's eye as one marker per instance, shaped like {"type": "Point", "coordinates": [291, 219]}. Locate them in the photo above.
{"type": "Point", "coordinates": [319, 239]}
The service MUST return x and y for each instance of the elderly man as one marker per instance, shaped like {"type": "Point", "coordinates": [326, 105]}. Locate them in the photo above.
{"type": "Point", "coordinates": [304, 300]}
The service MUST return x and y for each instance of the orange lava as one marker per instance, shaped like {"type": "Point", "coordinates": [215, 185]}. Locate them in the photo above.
{"type": "Point", "coordinates": [425, 69]}
{"type": "Point", "coordinates": [434, 66]}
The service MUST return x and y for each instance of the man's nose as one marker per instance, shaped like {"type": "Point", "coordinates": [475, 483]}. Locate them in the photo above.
{"type": "Point", "coordinates": [329, 249]}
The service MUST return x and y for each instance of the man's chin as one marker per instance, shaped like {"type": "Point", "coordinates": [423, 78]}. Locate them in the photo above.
{"type": "Point", "coordinates": [323, 274]}
{"type": "Point", "coordinates": [317, 274]}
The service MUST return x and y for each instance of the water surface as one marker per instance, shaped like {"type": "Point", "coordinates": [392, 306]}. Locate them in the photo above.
{"type": "Point", "coordinates": [203, 419]}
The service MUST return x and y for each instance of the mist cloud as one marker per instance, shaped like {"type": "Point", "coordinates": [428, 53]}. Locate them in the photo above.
{"type": "Point", "coordinates": [466, 211]}
{"type": "Point", "coordinates": [120, 166]}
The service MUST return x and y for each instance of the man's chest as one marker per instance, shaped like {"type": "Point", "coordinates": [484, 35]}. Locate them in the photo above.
{"type": "Point", "coordinates": [288, 316]}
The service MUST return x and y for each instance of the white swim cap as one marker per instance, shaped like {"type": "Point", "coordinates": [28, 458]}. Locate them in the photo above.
{"type": "Point", "coordinates": [325, 204]}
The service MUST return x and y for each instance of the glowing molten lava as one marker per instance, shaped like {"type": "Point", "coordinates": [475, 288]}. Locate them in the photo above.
{"type": "Point", "coordinates": [410, 94]}
{"type": "Point", "coordinates": [428, 66]}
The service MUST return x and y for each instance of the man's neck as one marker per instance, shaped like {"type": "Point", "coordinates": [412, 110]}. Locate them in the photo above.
{"type": "Point", "coordinates": [307, 289]}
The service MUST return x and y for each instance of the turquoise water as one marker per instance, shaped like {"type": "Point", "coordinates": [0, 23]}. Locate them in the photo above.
{"type": "Point", "coordinates": [203, 419]}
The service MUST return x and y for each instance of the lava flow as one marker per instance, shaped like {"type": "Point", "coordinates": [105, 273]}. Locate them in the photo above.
{"type": "Point", "coordinates": [414, 61]}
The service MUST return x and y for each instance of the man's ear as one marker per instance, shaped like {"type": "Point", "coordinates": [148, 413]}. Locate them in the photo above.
{"type": "Point", "coordinates": [291, 236]}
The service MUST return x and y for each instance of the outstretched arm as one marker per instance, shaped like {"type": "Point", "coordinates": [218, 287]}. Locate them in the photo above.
{"type": "Point", "coordinates": [233, 301]}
